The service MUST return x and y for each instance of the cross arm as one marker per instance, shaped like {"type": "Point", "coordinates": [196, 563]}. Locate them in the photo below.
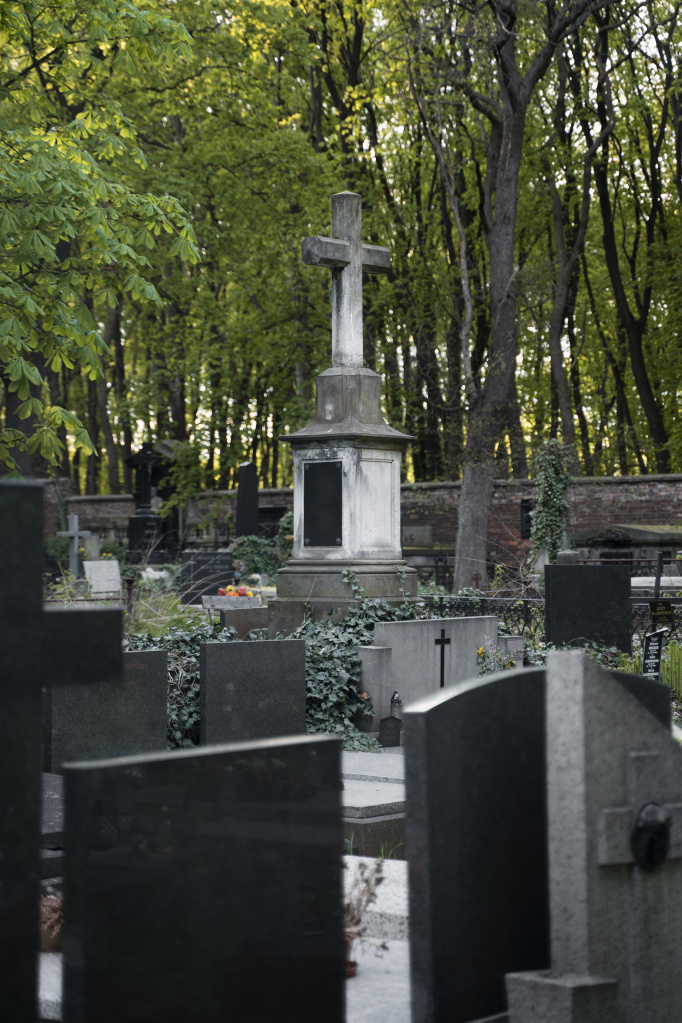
{"type": "Point", "coordinates": [321, 251]}
{"type": "Point", "coordinates": [375, 259]}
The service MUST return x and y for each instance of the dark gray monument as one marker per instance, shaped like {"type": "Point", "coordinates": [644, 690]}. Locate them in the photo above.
{"type": "Point", "coordinates": [247, 501]}
{"type": "Point", "coordinates": [203, 573]}
{"type": "Point", "coordinates": [479, 900]}
{"type": "Point", "coordinates": [37, 648]}
{"type": "Point", "coordinates": [206, 885]}
{"type": "Point", "coordinates": [245, 619]}
{"type": "Point", "coordinates": [588, 602]}
{"type": "Point", "coordinates": [109, 719]}
{"type": "Point", "coordinates": [253, 690]}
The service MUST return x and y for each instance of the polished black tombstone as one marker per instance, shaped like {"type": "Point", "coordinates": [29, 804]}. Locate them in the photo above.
{"type": "Point", "coordinates": [253, 690]}
{"type": "Point", "coordinates": [109, 719]}
{"type": "Point", "coordinates": [205, 885]}
{"type": "Point", "coordinates": [248, 523]}
{"type": "Point", "coordinates": [322, 504]}
{"type": "Point", "coordinates": [588, 602]}
{"type": "Point", "coordinates": [202, 573]}
{"type": "Point", "coordinates": [36, 648]}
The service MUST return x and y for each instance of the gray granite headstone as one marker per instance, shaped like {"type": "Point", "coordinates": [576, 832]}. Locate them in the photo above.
{"type": "Point", "coordinates": [109, 719]}
{"type": "Point", "coordinates": [203, 573]}
{"type": "Point", "coordinates": [252, 690]}
{"type": "Point", "coordinates": [37, 648]}
{"type": "Point", "coordinates": [588, 602]}
{"type": "Point", "coordinates": [244, 620]}
{"type": "Point", "coordinates": [205, 885]}
{"type": "Point", "coordinates": [615, 894]}
{"type": "Point", "coordinates": [476, 838]}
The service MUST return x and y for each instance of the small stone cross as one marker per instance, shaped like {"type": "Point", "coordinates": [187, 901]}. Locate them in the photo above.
{"type": "Point", "coordinates": [442, 643]}
{"type": "Point", "coordinates": [74, 534]}
{"type": "Point", "coordinates": [616, 824]}
{"type": "Point", "coordinates": [347, 257]}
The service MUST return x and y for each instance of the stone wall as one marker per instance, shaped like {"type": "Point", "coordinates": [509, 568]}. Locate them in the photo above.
{"type": "Point", "coordinates": [595, 502]}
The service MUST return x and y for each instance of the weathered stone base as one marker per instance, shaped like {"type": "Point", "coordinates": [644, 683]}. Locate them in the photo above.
{"type": "Point", "coordinates": [320, 586]}
{"type": "Point", "coordinates": [544, 997]}
{"type": "Point", "coordinates": [377, 836]}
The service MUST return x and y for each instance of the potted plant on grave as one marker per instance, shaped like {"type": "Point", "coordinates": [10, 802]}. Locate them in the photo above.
{"type": "Point", "coordinates": [360, 893]}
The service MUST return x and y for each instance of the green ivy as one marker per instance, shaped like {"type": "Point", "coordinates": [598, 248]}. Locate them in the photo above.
{"type": "Point", "coordinates": [334, 697]}
{"type": "Point", "coordinates": [182, 646]}
{"type": "Point", "coordinates": [550, 515]}
{"type": "Point", "coordinates": [256, 554]}
{"type": "Point", "coordinates": [285, 547]}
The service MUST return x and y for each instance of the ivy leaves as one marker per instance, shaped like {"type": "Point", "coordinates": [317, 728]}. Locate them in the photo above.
{"type": "Point", "coordinates": [550, 515]}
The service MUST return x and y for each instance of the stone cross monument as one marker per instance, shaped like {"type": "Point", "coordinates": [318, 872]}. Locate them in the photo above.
{"type": "Point", "coordinates": [347, 459]}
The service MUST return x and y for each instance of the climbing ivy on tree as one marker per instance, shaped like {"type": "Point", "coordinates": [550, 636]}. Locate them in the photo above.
{"type": "Point", "coordinates": [550, 515]}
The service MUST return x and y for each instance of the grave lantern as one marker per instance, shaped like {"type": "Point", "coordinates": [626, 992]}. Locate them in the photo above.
{"type": "Point", "coordinates": [347, 459]}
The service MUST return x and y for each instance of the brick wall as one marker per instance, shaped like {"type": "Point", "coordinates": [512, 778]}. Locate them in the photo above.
{"type": "Point", "coordinates": [595, 502]}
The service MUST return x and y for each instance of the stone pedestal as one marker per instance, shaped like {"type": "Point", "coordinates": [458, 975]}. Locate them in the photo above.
{"type": "Point", "coordinates": [346, 504]}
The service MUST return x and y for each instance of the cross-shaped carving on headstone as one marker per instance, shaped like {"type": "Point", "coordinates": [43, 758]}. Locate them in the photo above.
{"type": "Point", "coordinates": [442, 643]}
{"type": "Point", "coordinates": [75, 535]}
{"type": "Point", "coordinates": [37, 648]}
{"type": "Point", "coordinates": [617, 824]}
{"type": "Point", "coordinates": [347, 257]}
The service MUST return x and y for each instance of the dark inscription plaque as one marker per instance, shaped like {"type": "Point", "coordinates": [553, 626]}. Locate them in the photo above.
{"type": "Point", "coordinates": [322, 504]}
{"type": "Point", "coordinates": [389, 731]}
{"type": "Point", "coordinates": [661, 612]}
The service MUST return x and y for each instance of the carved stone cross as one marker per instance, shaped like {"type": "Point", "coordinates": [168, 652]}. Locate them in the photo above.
{"type": "Point", "coordinates": [347, 258]}
{"type": "Point", "coordinates": [617, 837]}
{"type": "Point", "coordinates": [74, 534]}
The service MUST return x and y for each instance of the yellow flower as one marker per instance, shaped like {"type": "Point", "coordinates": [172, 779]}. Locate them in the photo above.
{"type": "Point", "coordinates": [481, 651]}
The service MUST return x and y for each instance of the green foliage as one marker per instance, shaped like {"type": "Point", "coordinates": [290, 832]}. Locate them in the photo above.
{"type": "Point", "coordinates": [256, 554]}
{"type": "Point", "coordinates": [490, 660]}
{"type": "Point", "coordinates": [285, 530]}
{"type": "Point", "coordinates": [334, 698]}
{"type": "Point", "coordinates": [550, 515]}
{"type": "Point", "coordinates": [182, 645]}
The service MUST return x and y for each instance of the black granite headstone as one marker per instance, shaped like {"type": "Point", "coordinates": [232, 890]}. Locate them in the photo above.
{"type": "Point", "coordinates": [588, 602]}
{"type": "Point", "coordinates": [202, 573]}
{"type": "Point", "coordinates": [389, 731]}
{"type": "Point", "coordinates": [652, 651]}
{"type": "Point", "coordinates": [109, 719]}
{"type": "Point", "coordinates": [36, 648]}
{"type": "Point", "coordinates": [322, 504]}
{"type": "Point", "coordinates": [205, 885]}
{"type": "Point", "coordinates": [253, 690]}
{"type": "Point", "coordinates": [247, 501]}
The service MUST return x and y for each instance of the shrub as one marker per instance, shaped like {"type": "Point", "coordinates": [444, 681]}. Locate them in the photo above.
{"type": "Point", "coordinates": [256, 554]}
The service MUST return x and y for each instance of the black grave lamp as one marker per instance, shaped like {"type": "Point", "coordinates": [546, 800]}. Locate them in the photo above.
{"type": "Point", "coordinates": [347, 459]}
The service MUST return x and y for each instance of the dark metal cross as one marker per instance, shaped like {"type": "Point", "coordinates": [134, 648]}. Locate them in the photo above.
{"type": "Point", "coordinates": [38, 648]}
{"type": "Point", "coordinates": [442, 643]}
{"type": "Point", "coordinates": [347, 258]}
{"type": "Point", "coordinates": [144, 462]}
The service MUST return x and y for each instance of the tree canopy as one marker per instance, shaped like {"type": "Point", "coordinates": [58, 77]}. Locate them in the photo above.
{"type": "Point", "coordinates": [161, 162]}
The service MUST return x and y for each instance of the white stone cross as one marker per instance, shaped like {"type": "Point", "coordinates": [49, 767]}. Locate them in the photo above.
{"type": "Point", "coordinates": [74, 535]}
{"type": "Point", "coordinates": [347, 257]}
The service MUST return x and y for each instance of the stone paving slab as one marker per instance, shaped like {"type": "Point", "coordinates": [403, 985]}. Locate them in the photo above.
{"type": "Point", "coordinates": [387, 917]}
{"type": "Point", "coordinates": [380, 991]}
{"type": "Point", "coordinates": [372, 798]}
{"type": "Point", "coordinates": [373, 767]}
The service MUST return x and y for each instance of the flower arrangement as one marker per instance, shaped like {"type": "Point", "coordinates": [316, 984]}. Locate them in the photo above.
{"type": "Point", "coordinates": [234, 591]}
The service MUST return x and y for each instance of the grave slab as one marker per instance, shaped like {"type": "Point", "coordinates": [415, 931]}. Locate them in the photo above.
{"type": "Point", "coordinates": [614, 798]}
{"type": "Point", "coordinates": [109, 719]}
{"type": "Point", "coordinates": [252, 690]}
{"type": "Point", "coordinates": [419, 658]}
{"type": "Point", "coordinates": [104, 579]}
{"type": "Point", "coordinates": [588, 602]}
{"type": "Point", "coordinates": [203, 880]}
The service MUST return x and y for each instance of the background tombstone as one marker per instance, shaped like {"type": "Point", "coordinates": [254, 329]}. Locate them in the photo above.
{"type": "Point", "coordinates": [247, 501]}
{"type": "Point", "coordinates": [245, 619]}
{"type": "Point", "coordinates": [104, 579]}
{"type": "Point", "coordinates": [475, 836]}
{"type": "Point", "coordinates": [109, 719]}
{"type": "Point", "coordinates": [203, 573]}
{"type": "Point", "coordinates": [588, 602]}
{"type": "Point", "coordinates": [37, 647]}
{"type": "Point", "coordinates": [252, 690]}
{"type": "Point", "coordinates": [75, 535]}
{"type": "Point", "coordinates": [420, 657]}
{"type": "Point", "coordinates": [616, 935]}
{"type": "Point", "coordinates": [205, 885]}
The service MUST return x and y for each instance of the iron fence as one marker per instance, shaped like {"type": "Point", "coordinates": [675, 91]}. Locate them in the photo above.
{"type": "Point", "coordinates": [525, 616]}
